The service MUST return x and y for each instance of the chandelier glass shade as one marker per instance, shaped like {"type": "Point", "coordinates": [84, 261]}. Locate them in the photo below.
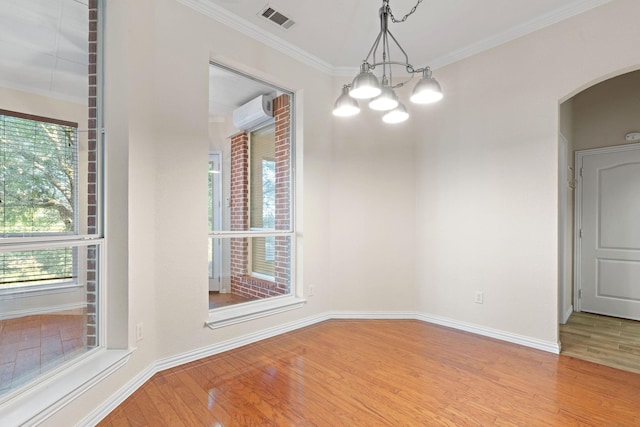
{"type": "Point", "coordinates": [380, 92]}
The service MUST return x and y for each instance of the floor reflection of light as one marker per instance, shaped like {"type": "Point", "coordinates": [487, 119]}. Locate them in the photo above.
{"type": "Point", "coordinates": [212, 401]}
{"type": "Point", "coordinates": [217, 425]}
{"type": "Point", "coordinates": [271, 373]}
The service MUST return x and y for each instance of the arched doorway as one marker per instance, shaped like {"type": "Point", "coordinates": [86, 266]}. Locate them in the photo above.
{"type": "Point", "coordinates": [597, 117]}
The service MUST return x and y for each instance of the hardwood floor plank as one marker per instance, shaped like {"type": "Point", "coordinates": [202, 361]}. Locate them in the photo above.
{"type": "Point", "coordinates": [369, 373]}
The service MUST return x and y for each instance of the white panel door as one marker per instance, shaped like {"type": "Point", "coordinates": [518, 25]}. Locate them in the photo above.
{"type": "Point", "coordinates": [609, 234]}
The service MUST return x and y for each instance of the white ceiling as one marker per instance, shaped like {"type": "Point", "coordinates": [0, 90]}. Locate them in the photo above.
{"type": "Point", "coordinates": [43, 42]}
{"type": "Point", "coordinates": [229, 90]}
{"type": "Point", "coordinates": [43, 45]}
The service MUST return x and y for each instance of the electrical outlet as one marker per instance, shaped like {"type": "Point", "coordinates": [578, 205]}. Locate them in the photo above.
{"type": "Point", "coordinates": [310, 291]}
{"type": "Point", "coordinates": [139, 332]}
{"type": "Point", "coordinates": [479, 297]}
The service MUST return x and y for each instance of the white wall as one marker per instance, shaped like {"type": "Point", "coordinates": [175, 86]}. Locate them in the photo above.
{"type": "Point", "coordinates": [488, 170]}
{"type": "Point", "coordinates": [372, 212]}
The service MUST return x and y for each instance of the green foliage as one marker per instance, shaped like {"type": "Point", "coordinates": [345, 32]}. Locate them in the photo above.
{"type": "Point", "coordinates": [37, 193]}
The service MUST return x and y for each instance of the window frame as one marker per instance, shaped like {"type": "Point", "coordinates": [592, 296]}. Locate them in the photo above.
{"type": "Point", "coordinates": [224, 316]}
{"type": "Point", "coordinates": [215, 218]}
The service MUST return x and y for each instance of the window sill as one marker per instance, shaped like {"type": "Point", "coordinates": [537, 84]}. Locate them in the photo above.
{"type": "Point", "coordinates": [37, 403]}
{"type": "Point", "coordinates": [37, 290]}
{"type": "Point", "coordinates": [225, 316]}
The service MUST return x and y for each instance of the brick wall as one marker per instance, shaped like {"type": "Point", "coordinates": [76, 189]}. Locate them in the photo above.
{"type": "Point", "coordinates": [92, 178]}
{"type": "Point", "coordinates": [282, 114]}
{"type": "Point", "coordinates": [241, 283]}
{"type": "Point", "coordinates": [239, 211]}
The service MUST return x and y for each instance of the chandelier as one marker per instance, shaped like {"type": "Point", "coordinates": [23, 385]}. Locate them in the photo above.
{"type": "Point", "coordinates": [380, 92]}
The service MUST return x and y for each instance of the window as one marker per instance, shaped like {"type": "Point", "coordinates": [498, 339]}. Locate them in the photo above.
{"type": "Point", "coordinates": [262, 200]}
{"type": "Point", "coordinates": [38, 172]}
{"type": "Point", "coordinates": [255, 235]}
{"type": "Point", "coordinates": [51, 244]}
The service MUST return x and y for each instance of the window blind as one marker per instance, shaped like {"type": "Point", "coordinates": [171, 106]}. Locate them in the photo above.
{"type": "Point", "coordinates": [38, 175]}
{"type": "Point", "coordinates": [262, 198]}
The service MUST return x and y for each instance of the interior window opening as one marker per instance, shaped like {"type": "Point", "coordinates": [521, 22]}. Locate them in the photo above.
{"type": "Point", "coordinates": [250, 189]}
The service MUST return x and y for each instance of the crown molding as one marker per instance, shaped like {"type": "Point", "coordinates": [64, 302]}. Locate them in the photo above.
{"type": "Point", "coordinates": [225, 17]}
{"type": "Point", "coordinates": [247, 28]}
{"type": "Point", "coordinates": [518, 31]}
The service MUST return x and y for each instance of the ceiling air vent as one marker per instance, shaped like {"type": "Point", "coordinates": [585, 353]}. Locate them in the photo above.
{"type": "Point", "coordinates": [277, 18]}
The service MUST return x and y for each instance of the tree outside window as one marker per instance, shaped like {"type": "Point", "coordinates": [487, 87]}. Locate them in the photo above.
{"type": "Point", "coordinates": [38, 175]}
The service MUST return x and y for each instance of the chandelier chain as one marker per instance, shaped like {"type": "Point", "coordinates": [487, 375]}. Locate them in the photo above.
{"type": "Point", "coordinates": [404, 18]}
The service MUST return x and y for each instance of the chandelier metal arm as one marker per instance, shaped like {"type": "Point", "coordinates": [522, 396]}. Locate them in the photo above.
{"type": "Point", "coordinates": [374, 47]}
{"type": "Point", "coordinates": [406, 57]}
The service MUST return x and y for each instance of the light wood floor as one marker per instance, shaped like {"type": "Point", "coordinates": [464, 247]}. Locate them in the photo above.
{"type": "Point", "coordinates": [383, 373]}
{"type": "Point", "coordinates": [607, 340]}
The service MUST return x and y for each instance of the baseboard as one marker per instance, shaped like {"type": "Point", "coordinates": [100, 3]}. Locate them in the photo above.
{"type": "Point", "coordinates": [120, 396]}
{"type": "Point", "coordinates": [567, 314]}
{"type": "Point", "coordinates": [548, 346]}
{"type": "Point", "coordinates": [123, 393]}
{"type": "Point", "coordinates": [243, 340]}
{"type": "Point", "coordinates": [372, 315]}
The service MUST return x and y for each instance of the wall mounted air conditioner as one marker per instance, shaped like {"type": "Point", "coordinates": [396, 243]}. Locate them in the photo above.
{"type": "Point", "coordinates": [254, 113]}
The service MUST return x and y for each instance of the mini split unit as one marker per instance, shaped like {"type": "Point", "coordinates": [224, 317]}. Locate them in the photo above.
{"type": "Point", "coordinates": [254, 113]}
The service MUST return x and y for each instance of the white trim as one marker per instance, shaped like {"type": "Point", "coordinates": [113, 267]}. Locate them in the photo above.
{"type": "Point", "coordinates": [577, 226]}
{"type": "Point", "coordinates": [221, 347]}
{"type": "Point", "coordinates": [548, 346]}
{"type": "Point", "coordinates": [37, 290]}
{"type": "Point", "coordinates": [10, 244]}
{"type": "Point", "coordinates": [245, 27]}
{"type": "Point", "coordinates": [42, 310]}
{"type": "Point", "coordinates": [36, 404]}
{"type": "Point", "coordinates": [119, 396]}
{"type": "Point", "coordinates": [374, 315]}
{"type": "Point", "coordinates": [551, 347]}
{"type": "Point", "coordinates": [261, 276]}
{"type": "Point", "coordinates": [215, 160]}
{"type": "Point", "coordinates": [566, 315]}
{"type": "Point", "coordinates": [238, 313]}
{"type": "Point", "coordinates": [563, 198]}
{"type": "Point", "coordinates": [249, 233]}
{"type": "Point", "coordinates": [235, 22]}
